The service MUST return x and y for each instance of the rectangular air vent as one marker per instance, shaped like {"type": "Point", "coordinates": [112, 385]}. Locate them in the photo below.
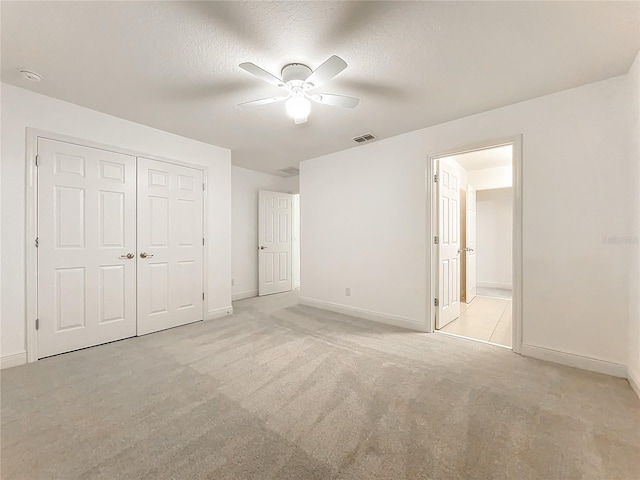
{"type": "Point", "coordinates": [290, 171]}
{"type": "Point", "coordinates": [364, 138]}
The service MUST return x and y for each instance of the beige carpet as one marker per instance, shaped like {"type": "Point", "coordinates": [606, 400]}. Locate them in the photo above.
{"type": "Point", "coordinates": [289, 392]}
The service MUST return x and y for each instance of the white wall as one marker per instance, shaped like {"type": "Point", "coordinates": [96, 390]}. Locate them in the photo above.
{"type": "Point", "coordinates": [364, 212]}
{"type": "Point", "coordinates": [633, 229]}
{"type": "Point", "coordinates": [21, 109]}
{"type": "Point", "coordinates": [362, 226]}
{"type": "Point", "coordinates": [494, 227]}
{"type": "Point", "coordinates": [244, 214]}
{"type": "Point", "coordinates": [487, 178]}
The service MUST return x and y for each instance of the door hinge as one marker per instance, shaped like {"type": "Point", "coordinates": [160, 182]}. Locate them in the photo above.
{"type": "Point", "coordinates": [203, 296]}
{"type": "Point", "coordinates": [436, 240]}
{"type": "Point", "coordinates": [37, 324]}
{"type": "Point", "coordinates": [203, 241]}
{"type": "Point", "coordinates": [37, 160]}
{"type": "Point", "coordinates": [435, 178]}
{"type": "Point", "coordinates": [203, 186]}
{"type": "Point", "coordinates": [37, 242]}
{"type": "Point", "coordinates": [436, 302]}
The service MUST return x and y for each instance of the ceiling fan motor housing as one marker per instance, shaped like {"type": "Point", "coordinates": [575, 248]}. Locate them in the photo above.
{"type": "Point", "coordinates": [295, 74]}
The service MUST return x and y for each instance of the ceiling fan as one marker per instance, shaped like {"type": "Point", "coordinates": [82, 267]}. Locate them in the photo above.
{"type": "Point", "coordinates": [298, 80]}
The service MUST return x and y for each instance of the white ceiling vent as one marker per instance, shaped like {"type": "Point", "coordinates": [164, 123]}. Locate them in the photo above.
{"type": "Point", "coordinates": [367, 137]}
{"type": "Point", "coordinates": [290, 171]}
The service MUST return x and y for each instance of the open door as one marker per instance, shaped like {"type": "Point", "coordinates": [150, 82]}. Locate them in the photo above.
{"type": "Point", "coordinates": [448, 192]}
{"type": "Point", "coordinates": [470, 250]}
{"type": "Point", "coordinates": [274, 242]}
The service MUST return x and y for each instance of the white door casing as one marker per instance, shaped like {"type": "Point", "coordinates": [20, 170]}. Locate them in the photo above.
{"type": "Point", "coordinates": [86, 227]}
{"type": "Point", "coordinates": [471, 232]}
{"type": "Point", "coordinates": [432, 270]}
{"type": "Point", "coordinates": [274, 242]}
{"type": "Point", "coordinates": [448, 195]}
{"type": "Point", "coordinates": [170, 245]}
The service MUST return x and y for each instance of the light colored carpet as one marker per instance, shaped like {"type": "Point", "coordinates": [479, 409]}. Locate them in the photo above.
{"type": "Point", "coordinates": [290, 392]}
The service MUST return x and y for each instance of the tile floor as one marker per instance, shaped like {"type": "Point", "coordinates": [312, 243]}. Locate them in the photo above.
{"type": "Point", "coordinates": [485, 318]}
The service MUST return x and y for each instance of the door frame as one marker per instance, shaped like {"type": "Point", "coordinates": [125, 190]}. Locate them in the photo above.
{"type": "Point", "coordinates": [31, 221]}
{"type": "Point", "coordinates": [517, 236]}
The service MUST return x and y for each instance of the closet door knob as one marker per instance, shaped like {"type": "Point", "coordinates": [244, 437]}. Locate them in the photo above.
{"type": "Point", "coordinates": [128, 255]}
{"type": "Point", "coordinates": [145, 255]}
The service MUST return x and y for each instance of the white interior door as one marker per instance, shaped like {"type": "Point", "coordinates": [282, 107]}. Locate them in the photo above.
{"type": "Point", "coordinates": [170, 245]}
{"type": "Point", "coordinates": [86, 229]}
{"type": "Point", "coordinates": [274, 242]}
{"type": "Point", "coordinates": [471, 244]}
{"type": "Point", "coordinates": [448, 187]}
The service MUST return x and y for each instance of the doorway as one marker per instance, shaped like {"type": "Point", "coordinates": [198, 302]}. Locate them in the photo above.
{"type": "Point", "coordinates": [275, 242]}
{"type": "Point", "coordinates": [476, 206]}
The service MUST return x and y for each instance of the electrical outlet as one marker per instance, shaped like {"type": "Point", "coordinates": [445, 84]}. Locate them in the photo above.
{"type": "Point", "coordinates": [347, 291]}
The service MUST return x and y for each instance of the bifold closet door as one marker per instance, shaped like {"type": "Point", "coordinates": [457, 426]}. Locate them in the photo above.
{"type": "Point", "coordinates": [86, 246]}
{"type": "Point", "coordinates": [170, 245]}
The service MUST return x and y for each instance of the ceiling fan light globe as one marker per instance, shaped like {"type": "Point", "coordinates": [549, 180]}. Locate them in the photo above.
{"type": "Point", "coordinates": [298, 107]}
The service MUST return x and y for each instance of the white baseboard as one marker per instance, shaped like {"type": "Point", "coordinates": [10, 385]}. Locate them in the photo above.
{"type": "Point", "coordinates": [366, 314]}
{"type": "Point", "coordinates": [634, 381]}
{"type": "Point", "coordinates": [246, 294]}
{"type": "Point", "coordinates": [572, 360]}
{"type": "Point", "coordinates": [219, 313]}
{"type": "Point", "coordinates": [296, 286]}
{"type": "Point", "coordinates": [13, 360]}
{"type": "Point", "coordinates": [501, 286]}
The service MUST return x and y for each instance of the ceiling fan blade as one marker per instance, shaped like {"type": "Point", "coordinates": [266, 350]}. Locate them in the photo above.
{"type": "Point", "coordinates": [261, 74]}
{"type": "Point", "coordinates": [326, 71]}
{"type": "Point", "coordinates": [335, 100]}
{"type": "Point", "coordinates": [263, 101]}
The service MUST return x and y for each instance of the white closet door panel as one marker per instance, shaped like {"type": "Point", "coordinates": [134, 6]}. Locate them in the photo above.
{"type": "Point", "coordinates": [170, 250]}
{"type": "Point", "coordinates": [86, 226]}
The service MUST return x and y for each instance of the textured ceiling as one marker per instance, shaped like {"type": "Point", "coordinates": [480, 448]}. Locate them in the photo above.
{"type": "Point", "coordinates": [487, 158]}
{"type": "Point", "coordinates": [174, 65]}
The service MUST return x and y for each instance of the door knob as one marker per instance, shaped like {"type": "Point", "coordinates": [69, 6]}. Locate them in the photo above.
{"type": "Point", "coordinates": [261, 247]}
{"type": "Point", "coordinates": [128, 255]}
{"type": "Point", "coordinates": [145, 255]}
